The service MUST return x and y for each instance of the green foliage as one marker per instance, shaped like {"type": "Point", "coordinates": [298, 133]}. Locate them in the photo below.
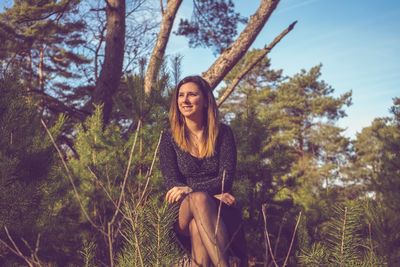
{"type": "Point", "coordinates": [149, 241]}
{"type": "Point", "coordinates": [88, 253]}
{"type": "Point", "coordinates": [42, 37]}
{"type": "Point", "coordinates": [213, 24]}
{"type": "Point", "coordinates": [27, 173]}
{"type": "Point", "coordinates": [343, 244]}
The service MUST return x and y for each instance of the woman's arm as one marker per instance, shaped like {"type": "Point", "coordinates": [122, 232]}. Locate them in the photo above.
{"type": "Point", "coordinates": [168, 163]}
{"type": "Point", "coordinates": [169, 169]}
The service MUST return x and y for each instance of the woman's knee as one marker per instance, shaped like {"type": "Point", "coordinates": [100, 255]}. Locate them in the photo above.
{"type": "Point", "coordinates": [199, 198]}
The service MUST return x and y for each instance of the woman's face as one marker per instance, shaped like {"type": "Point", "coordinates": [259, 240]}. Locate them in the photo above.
{"type": "Point", "coordinates": [191, 101]}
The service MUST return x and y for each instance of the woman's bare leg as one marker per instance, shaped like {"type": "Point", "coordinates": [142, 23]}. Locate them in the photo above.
{"type": "Point", "coordinates": [199, 252]}
{"type": "Point", "coordinates": [201, 207]}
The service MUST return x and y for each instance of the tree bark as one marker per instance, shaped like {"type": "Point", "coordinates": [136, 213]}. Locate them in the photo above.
{"type": "Point", "coordinates": [252, 64]}
{"type": "Point", "coordinates": [228, 59]}
{"type": "Point", "coordinates": [159, 49]}
{"type": "Point", "coordinates": [111, 71]}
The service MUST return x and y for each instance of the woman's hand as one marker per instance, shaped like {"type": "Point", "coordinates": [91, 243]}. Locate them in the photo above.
{"type": "Point", "coordinates": [227, 198]}
{"type": "Point", "coordinates": [176, 193]}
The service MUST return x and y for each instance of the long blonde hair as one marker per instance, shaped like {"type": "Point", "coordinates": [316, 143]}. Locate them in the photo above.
{"type": "Point", "coordinates": [179, 130]}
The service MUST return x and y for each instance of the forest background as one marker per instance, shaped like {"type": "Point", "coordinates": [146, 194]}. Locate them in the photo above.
{"type": "Point", "coordinates": [85, 89]}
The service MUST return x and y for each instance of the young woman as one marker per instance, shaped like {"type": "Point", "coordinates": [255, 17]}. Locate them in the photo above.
{"type": "Point", "coordinates": [198, 161]}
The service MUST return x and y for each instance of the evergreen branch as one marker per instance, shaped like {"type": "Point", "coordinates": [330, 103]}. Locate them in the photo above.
{"type": "Point", "coordinates": [98, 181]}
{"type": "Point", "coordinates": [291, 242]}
{"type": "Point", "coordinates": [69, 175]}
{"type": "Point", "coordinates": [343, 236]}
{"type": "Point", "coordinates": [59, 106]}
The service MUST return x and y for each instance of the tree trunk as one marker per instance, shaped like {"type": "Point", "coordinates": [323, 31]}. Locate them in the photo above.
{"type": "Point", "coordinates": [161, 44]}
{"type": "Point", "coordinates": [111, 71]}
{"type": "Point", "coordinates": [228, 59]}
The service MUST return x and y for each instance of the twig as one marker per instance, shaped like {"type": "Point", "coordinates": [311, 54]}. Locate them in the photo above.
{"type": "Point", "coordinates": [126, 173]}
{"type": "Point", "coordinates": [219, 215]}
{"type": "Point", "coordinates": [253, 63]}
{"type": "Point", "coordinates": [267, 242]}
{"type": "Point", "coordinates": [34, 252]}
{"type": "Point", "coordinates": [15, 250]}
{"type": "Point", "coordinates": [69, 175]}
{"type": "Point", "coordinates": [102, 186]}
{"type": "Point", "coordinates": [370, 238]}
{"type": "Point", "coordinates": [110, 238]}
{"type": "Point", "coordinates": [220, 204]}
{"type": "Point", "coordinates": [162, 7]}
{"type": "Point", "coordinates": [291, 242]}
{"type": "Point", "coordinates": [149, 172]}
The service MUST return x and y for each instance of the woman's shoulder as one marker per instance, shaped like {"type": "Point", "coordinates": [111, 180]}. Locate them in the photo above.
{"type": "Point", "coordinates": [166, 136]}
{"type": "Point", "coordinates": [224, 128]}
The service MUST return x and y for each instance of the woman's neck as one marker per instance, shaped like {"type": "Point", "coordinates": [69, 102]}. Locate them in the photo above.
{"type": "Point", "coordinates": [194, 126]}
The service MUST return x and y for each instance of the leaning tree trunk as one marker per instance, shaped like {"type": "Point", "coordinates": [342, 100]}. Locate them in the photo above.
{"type": "Point", "coordinates": [159, 49]}
{"type": "Point", "coordinates": [228, 59]}
{"type": "Point", "coordinates": [111, 70]}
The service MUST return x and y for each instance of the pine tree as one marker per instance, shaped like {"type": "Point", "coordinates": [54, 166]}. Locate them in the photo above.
{"type": "Point", "coordinates": [41, 41]}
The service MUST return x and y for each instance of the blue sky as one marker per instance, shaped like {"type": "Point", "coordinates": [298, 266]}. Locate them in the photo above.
{"type": "Point", "coordinates": [357, 41]}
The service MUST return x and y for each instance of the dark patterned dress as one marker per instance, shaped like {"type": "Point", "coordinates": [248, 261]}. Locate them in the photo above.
{"type": "Point", "coordinates": [180, 168]}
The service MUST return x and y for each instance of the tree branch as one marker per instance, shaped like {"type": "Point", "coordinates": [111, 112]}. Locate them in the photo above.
{"type": "Point", "coordinates": [54, 104]}
{"type": "Point", "coordinates": [161, 45]}
{"type": "Point", "coordinates": [228, 59]}
{"type": "Point", "coordinates": [253, 63]}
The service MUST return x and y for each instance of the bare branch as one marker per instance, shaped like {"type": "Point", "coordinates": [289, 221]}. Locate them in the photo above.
{"type": "Point", "coordinates": [267, 242]}
{"type": "Point", "coordinates": [16, 250]}
{"type": "Point", "coordinates": [162, 7]}
{"type": "Point", "coordinates": [56, 105]}
{"type": "Point", "coordinates": [128, 167]}
{"type": "Point", "coordinates": [291, 242]}
{"type": "Point", "coordinates": [228, 59]}
{"type": "Point", "coordinates": [148, 175]}
{"type": "Point", "coordinates": [253, 63]}
{"type": "Point", "coordinates": [161, 44]}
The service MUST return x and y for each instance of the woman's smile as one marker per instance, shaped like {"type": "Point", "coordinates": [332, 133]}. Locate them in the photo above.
{"type": "Point", "coordinates": [190, 100]}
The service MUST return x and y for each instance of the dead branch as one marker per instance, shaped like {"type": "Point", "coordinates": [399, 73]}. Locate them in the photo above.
{"type": "Point", "coordinates": [128, 167]}
{"type": "Point", "coordinates": [267, 242]}
{"type": "Point", "coordinates": [161, 44]}
{"type": "Point", "coordinates": [110, 228]}
{"type": "Point", "coordinates": [149, 172]}
{"type": "Point", "coordinates": [253, 63]}
{"type": "Point", "coordinates": [228, 59]}
{"type": "Point", "coordinates": [291, 242]}
{"type": "Point", "coordinates": [17, 251]}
